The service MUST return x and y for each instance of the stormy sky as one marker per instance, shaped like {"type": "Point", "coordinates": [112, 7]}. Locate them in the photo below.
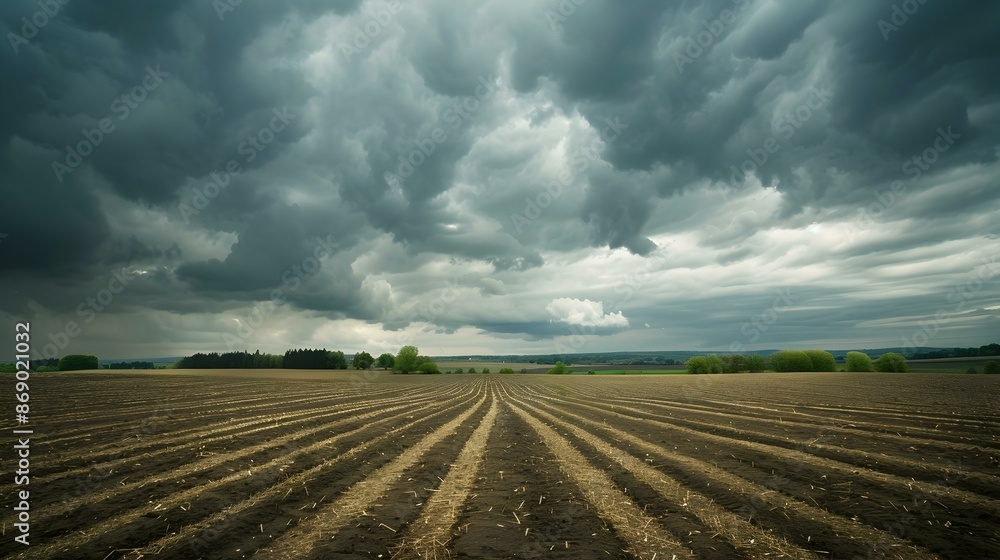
{"type": "Point", "coordinates": [499, 176]}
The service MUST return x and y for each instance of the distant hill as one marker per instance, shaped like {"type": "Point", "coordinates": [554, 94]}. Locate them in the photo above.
{"type": "Point", "coordinates": [667, 357]}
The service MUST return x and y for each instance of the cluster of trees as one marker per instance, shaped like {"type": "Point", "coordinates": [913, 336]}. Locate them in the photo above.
{"type": "Point", "coordinates": [727, 363]}
{"type": "Point", "coordinates": [70, 362]}
{"type": "Point", "coordinates": [386, 361]}
{"type": "Point", "coordinates": [43, 365]}
{"type": "Point", "coordinates": [40, 366]}
{"type": "Point", "coordinates": [803, 360]}
{"type": "Point", "coordinates": [309, 359]}
{"type": "Point", "coordinates": [487, 370]}
{"type": "Point", "coordinates": [230, 360]}
{"type": "Point", "coordinates": [292, 359]}
{"type": "Point", "coordinates": [795, 360]}
{"type": "Point", "coordinates": [74, 362]}
{"type": "Point", "coordinates": [131, 365]}
{"type": "Point", "coordinates": [890, 362]}
{"type": "Point", "coordinates": [559, 369]}
{"type": "Point", "coordinates": [314, 359]}
{"type": "Point", "coordinates": [362, 360]}
{"type": "Point", "coordinates": [409, 360]}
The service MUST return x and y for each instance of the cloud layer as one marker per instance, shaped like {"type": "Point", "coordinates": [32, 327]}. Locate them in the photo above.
{"type": "Point", "coordinates": [488, 177]}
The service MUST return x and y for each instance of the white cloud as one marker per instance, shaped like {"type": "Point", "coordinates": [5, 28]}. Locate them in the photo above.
{"type": "Point", "coordinates": [585, 313]}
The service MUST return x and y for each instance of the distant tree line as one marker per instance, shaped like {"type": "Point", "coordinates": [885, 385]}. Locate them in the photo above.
{"type": "Point", "coordinates": [130, 365]}
{"type": "Point", "coordinates": [795, 360]}
{"type": "Point", "coordinates": [230, 360]}
{"type": "Point", "coordinates": [297, 358]}
{"type": "Point", "coordinates": [985, 350]}
{"type": "Point", "coordinates": [314, 359]}
{"type": "Point", "coordinates": [611, 358]}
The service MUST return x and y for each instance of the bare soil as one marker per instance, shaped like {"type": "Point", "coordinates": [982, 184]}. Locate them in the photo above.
{"type": "Point", "coordinates": [343, 465]}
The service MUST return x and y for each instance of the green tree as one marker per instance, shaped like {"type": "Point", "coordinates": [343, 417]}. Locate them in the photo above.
{"type": "Point", "coordinates": [559, 369]}
{"type": "Point", "coordinates": [756, 363]}
{"type": "Point", "coordinates": [734, 363]}
{"type": "Point", "coordinates": [74, 362]}
{"type": "Point", "coordinates": [472, 370]}
{"type": "Point", "coordinates": [386, 361]}
{"type": "Point", "coordinates": [991, 367]}
{"type": "Point", "coordinates": [362, 360]}
{"type": "Point", "coordinates": [791, 360]}
{"type": "Point", "coordinates": [591, 372]}
{"type": "Point", "coordinates": [859, 361]}
{"type": "Point", "coordinates": [428, 367]}
{"type": "Point", "coordinates": [486, 370]}
{"type": "Point", "coordinates": [407, 359]}
{"type": "Point", "coordinates": [715, 364]}
{"type": "Point", "coordinates": [336, 360]}
{"type": "Point", "coordinates": [505, 370]}
{"type": "Point", "coordinates": [8, 367]}
{"type": "Point", "coordinates": [971, 371]}
{"type": "Point", "coordinates": [458, 370]}
{"type": "Point", "coordinates": [891, 362]}
{"type": "Point", "coordinates": [821, 360]}
{"type": "Point", "coordinates": [698, 364]}
{"type": "Point", "coordinates": [524, 370]}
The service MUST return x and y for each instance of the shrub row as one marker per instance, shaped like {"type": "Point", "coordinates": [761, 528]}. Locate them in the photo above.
{"type": "Point", "coordinates": [727, 363]}
{"type": "Point", "coordinates": [794, 360]}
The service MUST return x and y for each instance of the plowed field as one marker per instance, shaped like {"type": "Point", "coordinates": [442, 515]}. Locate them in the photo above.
{"type": "Point", "coordinates": [337, 465]}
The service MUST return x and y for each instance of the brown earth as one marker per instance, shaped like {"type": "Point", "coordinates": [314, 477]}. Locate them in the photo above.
{"type": "Point", "coordinates": [351, 465]}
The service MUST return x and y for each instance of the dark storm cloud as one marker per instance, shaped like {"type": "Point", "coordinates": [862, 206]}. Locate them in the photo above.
{"type": "Point", "coordinates": [92, 64]}
{"type": "Point", "coordinates": [702, 118]}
